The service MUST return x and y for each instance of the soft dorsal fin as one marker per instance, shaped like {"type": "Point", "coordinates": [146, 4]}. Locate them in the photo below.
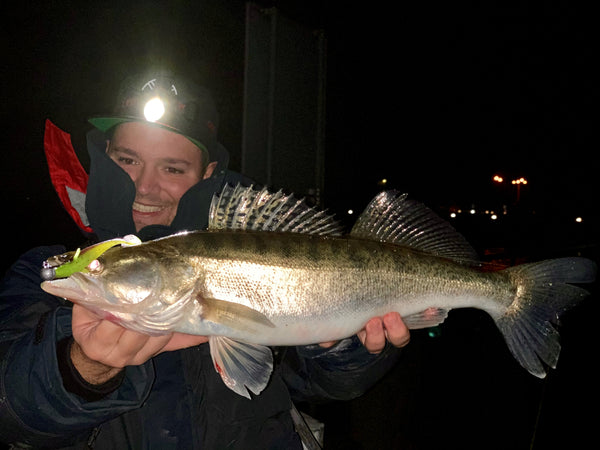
{"type": "Point", "coordinates": [244, 208]}
{"type": "Point", "coordinates": [392, 217]}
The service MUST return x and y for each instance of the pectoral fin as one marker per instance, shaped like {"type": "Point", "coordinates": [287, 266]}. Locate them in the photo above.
{"type": "Point", "coordinates": [242, 366]}
{"type": "Point", "coordinates": [233, 315]}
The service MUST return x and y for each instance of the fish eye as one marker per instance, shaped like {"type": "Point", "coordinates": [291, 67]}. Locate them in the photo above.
{"type": "Point", "coordinates": [95, 267]}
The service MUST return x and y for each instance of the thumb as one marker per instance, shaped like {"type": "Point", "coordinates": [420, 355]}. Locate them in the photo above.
{"type": "Point", "coordinates": [182, 340]}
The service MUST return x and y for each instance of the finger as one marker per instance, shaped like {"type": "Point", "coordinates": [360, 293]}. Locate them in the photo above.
{"type": "Point", "coordinates": [135, 348]}
{"type": "Point", "coordinates": [182, 340]}
{"type": "Point", "coordinates": [106, 334]}
{"type": "Point", "coordinates": [102, 344]}
{"type": "Point", "coordinates": [374, 336]}
{"type": "Point", "coordinates": [109, 343]}
{"type": "Point", "coordinates": [328, 344]}
{"type": "Point", "coordinates": [396, 331]}
{"type": "Point", "coordinates": [89, 327]}
{"type": "Point", "coordinates": [84, 320]}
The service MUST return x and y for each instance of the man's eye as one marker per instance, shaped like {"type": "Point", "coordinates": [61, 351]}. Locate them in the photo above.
{"type": "Point", "coordinates": [174, 170]}
{"type": "Point", "coordinates": [125, 161]}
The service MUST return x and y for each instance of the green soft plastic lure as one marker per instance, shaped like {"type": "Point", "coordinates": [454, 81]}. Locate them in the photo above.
{"type": "Point", "coordinates": [66, 264]}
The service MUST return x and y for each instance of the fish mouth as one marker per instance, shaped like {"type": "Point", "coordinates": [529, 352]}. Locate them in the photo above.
{"type": "Point", "coordinates": [84, 290]}
{"type": "Point", "coordinates": [148, 316]}
{"type": "Point", "coordinates": [78, 288]}
{"type": "Point", "coordinates": [67, 288]}
{"type": "Point", "coordinates": [90, 291]}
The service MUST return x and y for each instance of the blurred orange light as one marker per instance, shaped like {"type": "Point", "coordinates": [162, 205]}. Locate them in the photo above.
{"type": "Point", "coordinates": [519, 181]}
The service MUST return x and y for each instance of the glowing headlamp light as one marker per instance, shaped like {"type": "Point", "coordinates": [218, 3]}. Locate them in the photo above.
{"type": "Point", "coordinates": [154, 109]}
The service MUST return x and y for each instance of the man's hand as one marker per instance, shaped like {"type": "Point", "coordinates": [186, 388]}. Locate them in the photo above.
{"type": "Point", "coordinates": [378, 330]}
{"type": "Point", "coordinates": [101, 349]}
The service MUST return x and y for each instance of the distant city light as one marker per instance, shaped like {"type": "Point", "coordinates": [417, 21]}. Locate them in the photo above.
{"type": "Point", "coordinates": [498, 179]}
{"type": "Point", "coordinates": [350, 211]}
{"type": "Point", "coordinates": [382, 182]}
{"type": "Point", "coordinates": [472, 211]}
{"type": "Point", "coordinates": [493, 217]}
{"type": "Point", "coordinates": [453, 215]}
{"type": "Point", "coordinates": [519, 181]}
{"type": "Point", "coordinates": [578, 219]}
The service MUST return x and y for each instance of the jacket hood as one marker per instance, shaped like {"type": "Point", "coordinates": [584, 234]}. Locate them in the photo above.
{"type": "Point", "coordinates": [101, 203]}
{"type": "Point", "coordinates": [111, 192]}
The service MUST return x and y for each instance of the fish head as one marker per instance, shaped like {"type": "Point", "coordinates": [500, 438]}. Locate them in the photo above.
{"type": "Point", "coordinates": [131, 286]}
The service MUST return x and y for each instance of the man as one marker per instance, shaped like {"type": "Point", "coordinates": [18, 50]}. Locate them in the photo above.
{"type": "Point", "coordinates": [70, 379]}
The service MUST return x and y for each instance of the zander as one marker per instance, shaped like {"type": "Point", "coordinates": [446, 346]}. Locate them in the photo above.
{"type": "Point", "coordinates": [272, 271]}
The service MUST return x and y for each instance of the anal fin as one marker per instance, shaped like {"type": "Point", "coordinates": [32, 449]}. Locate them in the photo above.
{"type": "Point", "coordinates": [242, 366]}
{"type": "Point", "coordinates": [429, 317]}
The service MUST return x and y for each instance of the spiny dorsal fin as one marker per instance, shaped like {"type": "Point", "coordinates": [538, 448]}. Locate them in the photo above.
{"type": "Point", "coordinates": [244, 208]}
{"type": "Point", "coordinates": [392, 217]}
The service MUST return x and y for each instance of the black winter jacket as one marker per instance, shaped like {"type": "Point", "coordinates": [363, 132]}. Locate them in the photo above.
{"type": "Point", "coordinates": [176, 400]}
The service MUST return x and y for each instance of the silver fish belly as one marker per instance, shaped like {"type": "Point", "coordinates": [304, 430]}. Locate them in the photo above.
{"type": "Point", "coordinates": [327, 288]}
{"type": "Point", "coordinates": [272, 271]}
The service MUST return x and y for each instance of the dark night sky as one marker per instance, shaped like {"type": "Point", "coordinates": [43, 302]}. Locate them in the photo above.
{"type": "Point", "coordinates": [436, 97]}
{"type": "Point", "coordinates": [458, 92]}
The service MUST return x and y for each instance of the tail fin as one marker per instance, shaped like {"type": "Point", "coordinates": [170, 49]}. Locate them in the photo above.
{"type": "Point", "coordinates": [542, 296]}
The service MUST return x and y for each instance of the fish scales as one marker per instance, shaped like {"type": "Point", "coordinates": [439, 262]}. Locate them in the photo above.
{"type": "Point", "coordinates": [257, 285]}
{"type": "Point", "coordinates": [291, 278]}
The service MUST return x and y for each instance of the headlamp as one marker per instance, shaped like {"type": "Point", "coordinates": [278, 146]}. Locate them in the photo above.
{"type": "Point", "coordinates": [168, 101]}
{"type": "Point", "coordinates": [154, 109]}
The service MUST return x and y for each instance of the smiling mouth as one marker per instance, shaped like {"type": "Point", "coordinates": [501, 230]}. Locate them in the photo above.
{"type": "Point", "coordinates": [138, 207]}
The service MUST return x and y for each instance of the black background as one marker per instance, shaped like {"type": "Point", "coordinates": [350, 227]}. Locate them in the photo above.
{"type": "Point", "coordinates": [437, 97]}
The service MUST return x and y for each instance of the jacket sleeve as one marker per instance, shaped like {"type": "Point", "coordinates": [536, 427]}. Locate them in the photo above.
{"type": "Point", "coordinates": [342, 372]}
{"type": "Point", "coordinates": [35, 408]}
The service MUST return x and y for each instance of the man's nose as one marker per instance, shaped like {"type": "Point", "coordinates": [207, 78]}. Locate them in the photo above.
{"type": "Point", "coordinates": [146, 181]}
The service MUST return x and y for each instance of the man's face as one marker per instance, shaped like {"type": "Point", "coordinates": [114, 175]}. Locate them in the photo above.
{"type": "Point", "coordinates": [163, 166]}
